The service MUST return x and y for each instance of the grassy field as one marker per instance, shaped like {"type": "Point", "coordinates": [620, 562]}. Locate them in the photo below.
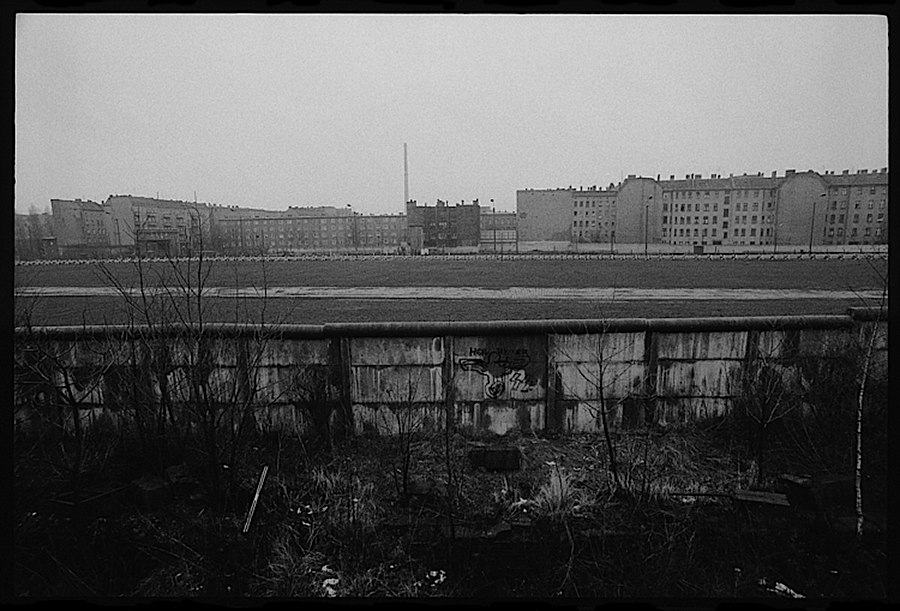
{"type": "Point", "coordinates": [637, 273]}
{"type": "Point", "coordinates": [852, 275]}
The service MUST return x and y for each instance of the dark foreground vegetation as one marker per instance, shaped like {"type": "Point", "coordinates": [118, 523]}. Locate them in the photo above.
{"type": "Point", "coordinates": [410, 516]}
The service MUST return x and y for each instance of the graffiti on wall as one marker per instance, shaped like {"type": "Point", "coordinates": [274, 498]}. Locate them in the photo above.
{"type": "Point", "coordinates": [501, 368]}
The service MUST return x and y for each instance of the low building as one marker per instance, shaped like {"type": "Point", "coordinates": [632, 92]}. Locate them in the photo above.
{"type": "Point", "coordinates": [443, 226]}
{"type": "Point", "coordinates": [498, 231]}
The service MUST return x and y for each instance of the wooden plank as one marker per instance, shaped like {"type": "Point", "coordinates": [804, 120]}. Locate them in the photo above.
{"type": "Point", "coordinates": [768, 498]}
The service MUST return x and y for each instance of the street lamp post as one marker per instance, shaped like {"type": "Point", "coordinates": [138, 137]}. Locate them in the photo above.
{"type": "Point", "coordinates": [646, 222]}
{"type": "Point", "coordinates": [494, 224]}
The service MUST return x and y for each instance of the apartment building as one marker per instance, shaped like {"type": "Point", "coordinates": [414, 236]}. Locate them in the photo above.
{"type": "Point", "coordinates": [798, 208]}
{"type": "Point", "coordinates": [298, 229]}
{"type": "Point", "coordinates": [855, 209]}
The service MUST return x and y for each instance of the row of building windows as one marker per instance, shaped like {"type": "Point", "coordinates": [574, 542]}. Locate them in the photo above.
{"type": "Point", "coordinates": [859, 190]}
{"type": "Point", "coordinates": [592, 224]}
{"type": "Point", "coordinates": [854, 232]}
{"type": "Point", "coordinates": [732, 192]}
{"type": "Point", "coordinates": [869, 218]}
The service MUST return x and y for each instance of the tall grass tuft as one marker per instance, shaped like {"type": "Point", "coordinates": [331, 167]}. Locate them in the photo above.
{"type": "Point", "coordinates": [558, 498]}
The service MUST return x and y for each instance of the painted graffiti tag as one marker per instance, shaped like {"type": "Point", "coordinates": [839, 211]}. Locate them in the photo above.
{"type": "Point", "coordinates": [499, 366]}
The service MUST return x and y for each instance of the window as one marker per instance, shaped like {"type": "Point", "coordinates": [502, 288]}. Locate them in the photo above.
{"type": "Point", "coordinates": [724, 224]}
{"type": "Point", "coordinates": [855, 218]}
{"type": "Point", "coordinates": [753, 231]}
{"type": "Point", "coordinates": [831, 219]}
{"type": "Point", "coordinates": [714, 232]}
{"type": "Point", "coordinates": [706, 206]}
{"type": "Point", "coordinates": [868, 218]}
{"type": "Point", "coordinates": [706, 220]}
{"type": "Point", "coordinates": [840, 218]}
{"type": "Point", "coordinates": [830, 232]}
{"type": "Point", "coordinates": [871, 204]}
{"type": "Point", "coordinates": [755, 206]}
{"type": "Point", "coordinates": [880, 216]}
{"type": "Point", "coordinates": [715, 206]}
{"type": "Point", "coordinates": [868, 231]}
{"type": "Point", "coordinates": [725, 213]}
{"type": "Point", "coordinates": [753, 220]}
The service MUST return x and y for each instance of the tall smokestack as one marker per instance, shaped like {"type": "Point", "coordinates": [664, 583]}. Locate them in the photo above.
{"type": "Point", "coordinates": [405, 177]}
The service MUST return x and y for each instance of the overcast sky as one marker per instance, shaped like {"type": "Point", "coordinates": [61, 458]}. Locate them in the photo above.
{"type": "Point", "coordinates": [275, 110]}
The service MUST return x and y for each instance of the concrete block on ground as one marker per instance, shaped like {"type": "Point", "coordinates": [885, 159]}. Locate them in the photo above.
{"type": "Point", "coordinates": [494, 458]}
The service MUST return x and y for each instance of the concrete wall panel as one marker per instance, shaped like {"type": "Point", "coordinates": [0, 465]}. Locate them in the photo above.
{"type": "Point", "coordinates": [682, 411]}
{"type": "Point", "coordinates": [499, 368]}
{"type": "Point", "coordinates": [594, 347]}
{"type": "Point", "coordinates": [702, 345]}
{"type": "Point", "coordinates": [773, 344]}
{"type": "Point", "coordinates": [698, 379]}
{"type": "Point", "coordinates": [295, 352]}
{"type": "Point", "coordinates": [584, 381]}
{"type": "Point", "coordinates": [521, 416]}
{"type": "Point", "coordinates": [397, 351]}
{"type": "Point", "coordinates": [819, 342]}
{"type": "Point", "coordinates": [388, 419]}
{"type": "Point", "coordinates": [396, 384]}
{"type": "Point", "coordinates": [583, 348]}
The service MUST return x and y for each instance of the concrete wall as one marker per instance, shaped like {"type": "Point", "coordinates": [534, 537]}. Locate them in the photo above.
{"type": "Point", "coordinates": [493, 376]}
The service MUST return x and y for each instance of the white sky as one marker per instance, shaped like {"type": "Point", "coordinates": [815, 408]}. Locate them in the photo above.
{"type": "Point", "coordinates": [275, 110]}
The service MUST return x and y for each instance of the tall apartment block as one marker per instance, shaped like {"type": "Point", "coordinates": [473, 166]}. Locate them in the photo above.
{"type": "Point", "coordinates": [798, 208]}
